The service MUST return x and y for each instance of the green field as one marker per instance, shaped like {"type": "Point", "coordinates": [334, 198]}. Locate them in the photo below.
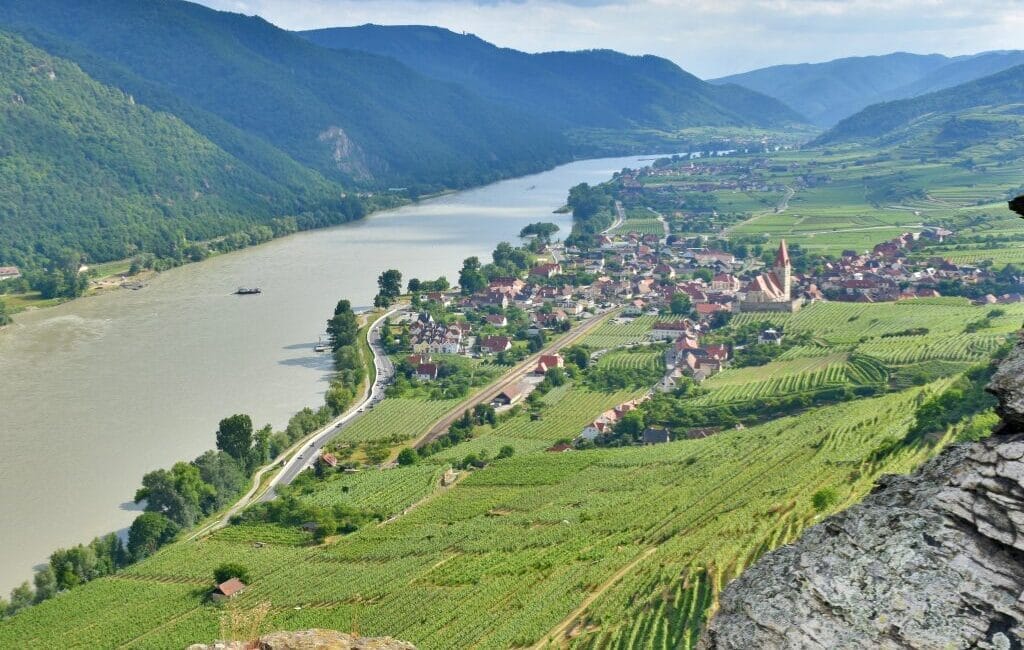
{"type": "Point", "coordinates": [845, 323]}
{"type": "Point", "coordinates": [509, 553]}
{"type": "Point", "coordinates": [620, 332]}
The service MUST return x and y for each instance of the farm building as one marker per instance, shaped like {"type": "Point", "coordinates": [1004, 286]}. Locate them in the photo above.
{"type": "Point", "coordinates": [227, 589]}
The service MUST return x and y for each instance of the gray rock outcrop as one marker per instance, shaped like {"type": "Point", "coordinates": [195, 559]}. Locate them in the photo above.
{"type": "Point", "coordinates": [934, 559]}
{"type": "Point", "coordinates": [309, 640]}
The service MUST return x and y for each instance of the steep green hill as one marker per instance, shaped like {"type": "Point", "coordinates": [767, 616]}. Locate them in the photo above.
{"type": "Point", "coordinates": [828, 92]}
{"type": "Point", "coordinates": [1006, 87]}
{"type": "Point", "coordinates": [352, 116]}
{"type": "Point", "coordinates": [84, 168]}
{"type": "Point", "coordinates": [594, 88]}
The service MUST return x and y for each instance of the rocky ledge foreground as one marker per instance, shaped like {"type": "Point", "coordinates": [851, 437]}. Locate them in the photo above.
{"type": "Point", "coordinates": [930, 560]}
{"type": "Point", "coordinates": [310, 640]}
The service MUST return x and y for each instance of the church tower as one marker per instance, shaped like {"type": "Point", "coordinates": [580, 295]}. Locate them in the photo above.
{"type": "Point", "coordinates": [783, 270]}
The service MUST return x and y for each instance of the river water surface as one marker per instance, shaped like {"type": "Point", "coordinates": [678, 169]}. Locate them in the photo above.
{"type": "Point", "coordinates": [98, 391]}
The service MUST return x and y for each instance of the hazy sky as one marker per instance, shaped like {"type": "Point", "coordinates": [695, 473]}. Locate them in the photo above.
{"type": "Point", "coordinates": [706, 37]}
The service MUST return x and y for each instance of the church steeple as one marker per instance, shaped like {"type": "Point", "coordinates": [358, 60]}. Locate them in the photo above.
{"type": "Point", "coordinates": [783, 269]}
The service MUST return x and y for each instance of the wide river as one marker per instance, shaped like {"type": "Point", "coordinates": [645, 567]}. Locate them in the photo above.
{"type": "Point", "coordinates": [98, 391]}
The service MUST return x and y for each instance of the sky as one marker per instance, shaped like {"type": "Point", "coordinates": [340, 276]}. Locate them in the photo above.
{"type": "Point", "coordinates": [709, 38]}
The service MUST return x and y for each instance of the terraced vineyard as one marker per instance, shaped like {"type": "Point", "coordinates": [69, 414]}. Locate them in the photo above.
{"type": "Point", "coordinates": [900, 350]}
{"type": "Point", "coordinates": [641, 226]}
{"type": "Point", "coordinates": [385, 491]}
{"type": "Point", "coordinates": [620, 332]}
{"type": "Point", "coordinates": [800, 375]}
{"type": "Point", "coordinates": [846, 322]}
{"type": "Point", "coordinates": [396, 418]}
{"type": "Point", "coordinates": [568, 410]}
{"type": "Point", "coordinates": [508, 555]}
{"type": "Point", "coordinates": [633, 359]}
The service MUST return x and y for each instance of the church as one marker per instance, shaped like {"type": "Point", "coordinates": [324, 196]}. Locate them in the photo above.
{"type": "Point", "coordinates": [772, 291]}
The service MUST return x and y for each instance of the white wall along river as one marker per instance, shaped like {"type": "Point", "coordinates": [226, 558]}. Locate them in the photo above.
{"type": "Point", "coordinates": [98, 391]}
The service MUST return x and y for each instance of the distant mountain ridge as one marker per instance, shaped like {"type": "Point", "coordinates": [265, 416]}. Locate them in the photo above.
{"type": "Point", "coordinates": [592, 88]}
{"type": "Point", "coordinates": [352, 116]}
{"type": "Point", "coordinates": [84, 168]}
{"type": "Point", "coordinates": [878, 120]}
{"type": "Point", "coordinates": [828, 92]}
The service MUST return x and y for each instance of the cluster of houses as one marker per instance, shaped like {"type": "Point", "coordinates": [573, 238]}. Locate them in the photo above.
{"type": "Point", "coordinates": [890, 272]}
{"type": "Point", "coordinates": [428, 336]}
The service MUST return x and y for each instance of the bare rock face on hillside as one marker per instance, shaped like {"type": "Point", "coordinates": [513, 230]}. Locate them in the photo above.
{"type": "Point", "coordinates": [930, 560]}
{"type": "Point", "coordinates": [310, 640]}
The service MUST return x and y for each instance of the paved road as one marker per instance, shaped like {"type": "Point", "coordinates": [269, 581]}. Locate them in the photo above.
{"type": "Point", "coordinates": [312, 445]}
{"type": "Point", "coordinates": [385, 371]}
{"type": "Point", "coordinates": [620, 216]}
{"type": "Point", "coordinates": [514, 376]}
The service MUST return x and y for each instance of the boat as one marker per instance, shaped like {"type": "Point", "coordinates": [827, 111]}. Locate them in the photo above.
{"type": "Point", "coordinates": [320, 346]}
{"type": "Point", "coordinates": [247, 291]}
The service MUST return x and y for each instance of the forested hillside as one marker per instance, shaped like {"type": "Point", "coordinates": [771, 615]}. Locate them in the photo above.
{"type": "Point", "coordinates": [353, 116]}
{"type": "Point", "coordinates": [595, 88]}
{"type": "Point", "coordinates": [828, 92]}
{"type": "Point", "coordinates": [84, 169]}
{"type": "Point", "coordinates": [1006, 87]}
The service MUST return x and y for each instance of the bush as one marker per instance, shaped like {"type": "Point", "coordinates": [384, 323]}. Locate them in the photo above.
{"type": "Point", "coordinates": [824, 499]}
{"type": "Point", "coordinates": [229, 570]}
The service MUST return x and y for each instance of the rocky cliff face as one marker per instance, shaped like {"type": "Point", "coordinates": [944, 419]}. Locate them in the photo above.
{"type": "Point", "coordinates": [310, 640]}
{"type": "Point", "coordinates": [930, 560]}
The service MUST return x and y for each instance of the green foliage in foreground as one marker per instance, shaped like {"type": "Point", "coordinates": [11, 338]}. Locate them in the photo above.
{"type": "Point", "coordinates": [509, 552]}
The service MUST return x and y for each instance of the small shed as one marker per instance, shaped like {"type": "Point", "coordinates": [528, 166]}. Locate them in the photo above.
{"type": "Point", "coordinates": [227, 589]}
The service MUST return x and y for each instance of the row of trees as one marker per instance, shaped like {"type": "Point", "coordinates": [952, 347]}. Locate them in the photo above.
{"type": "Point", "coordinates": [174, 499]}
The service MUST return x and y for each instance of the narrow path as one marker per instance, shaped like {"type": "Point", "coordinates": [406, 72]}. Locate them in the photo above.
{"type": "Point", "coordinates": [555, 634]}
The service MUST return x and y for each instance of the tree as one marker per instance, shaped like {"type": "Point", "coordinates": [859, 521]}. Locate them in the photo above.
{"type": "Point", "coordinates": [234, 436]}
{"type": "Point", "coordinates": [179, 493]}
{"type": "Point", "coordinates": [703, 274]}
{"type": "Point", "coordinates": [148, 532]}
{"type": "Point", "coordinates": [21, 597]}
{"type": "Point", "coordinates": [681, 305]}
{"type": "Point", "coordinates": [414, 285]}
{"type": "Point", "coordinates": [390, 287]}
{"type": "Point", "coordinates": [506, 452]}
{"type": "Point", "coordinates": [4, 318]}
{"type": "Point", "coordinates": [46, 584]}
{"type": "Point", "coordinates": [230, 570]}
{"type": "Point", "coordinates": [407, 456]}
{"type": "Point", "coordinates": [342, 328]}
{"type": "Point", "coordinates": [471, 278]}
{"type": "Point", "coordinates": [223, 473]}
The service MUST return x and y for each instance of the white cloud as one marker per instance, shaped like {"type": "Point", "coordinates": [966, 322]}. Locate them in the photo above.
{"type": "Point", "coordinates": [706, 37]}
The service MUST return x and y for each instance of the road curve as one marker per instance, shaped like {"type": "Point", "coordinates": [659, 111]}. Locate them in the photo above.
{"type": "Point", "coordinates": [309, 447]}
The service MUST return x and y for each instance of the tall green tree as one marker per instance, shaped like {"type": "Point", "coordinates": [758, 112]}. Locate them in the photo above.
{"type": "Point", "coordinates": [471, 278]}
{"type": "Point", "coordinates": [343, 327]}
{"type": "Point", "coordinates": [46, 584]}
{"type": "Point", "coordinates": [148, 532]}
{"type": "Point", "coordinates": [390, 287]}
{"type": "Point", "coordinates": [234, 436]}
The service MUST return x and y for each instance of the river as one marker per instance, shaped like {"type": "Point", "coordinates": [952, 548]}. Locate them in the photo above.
{"type": "Point", "coordinates": [98, 391]}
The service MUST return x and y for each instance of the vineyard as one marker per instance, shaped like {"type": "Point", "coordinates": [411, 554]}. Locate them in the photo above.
{"type": "Point", "coordinates": [510, 552]}
{"type": "Point", "coordinates": [900, 350]}
{"type": "Point", "coordinates": [799, 375]}
{"type": "Point", "coordinates": [396, 419]}
{"type": "Point", "coordinates": [567, 411]}
{"type": "Point", "coordinates": [633, 359]}
{"type": "Point", "coordinates": [384, 491]}
{"type": "Point", "coordinates": [620, 332]}
{"type": "Point", "coordinates": [846, 322]}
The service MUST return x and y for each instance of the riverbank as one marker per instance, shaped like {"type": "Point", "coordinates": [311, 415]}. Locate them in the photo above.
{"type": "Point", "coordinates": [128, 381]}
